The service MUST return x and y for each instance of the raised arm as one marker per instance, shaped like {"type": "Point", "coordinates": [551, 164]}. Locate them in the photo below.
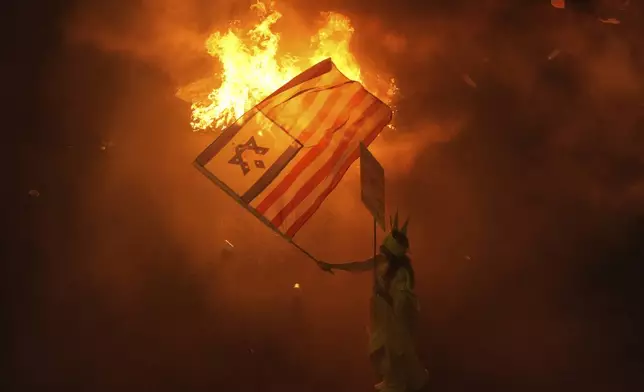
{"type": "Point", "coordinates": [355, 266]}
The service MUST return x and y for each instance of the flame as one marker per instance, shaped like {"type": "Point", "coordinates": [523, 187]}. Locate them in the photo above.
{"type": "Point", "coordinates": [253, 68]}
{"type": "Point", "coordinates": [333, 41]}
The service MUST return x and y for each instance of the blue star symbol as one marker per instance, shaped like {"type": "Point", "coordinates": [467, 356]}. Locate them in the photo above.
{"type": "Point", "coordinates": [251, 145]}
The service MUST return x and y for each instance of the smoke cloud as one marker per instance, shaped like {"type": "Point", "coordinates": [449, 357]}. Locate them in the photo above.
{"type": "Point", "coordinates": [517, 154]}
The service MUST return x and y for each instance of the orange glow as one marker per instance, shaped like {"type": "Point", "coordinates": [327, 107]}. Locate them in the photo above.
{"type": "Point", "coordinates": [558, 3]}
{"type": "Point", "coordinates": [253, 68]}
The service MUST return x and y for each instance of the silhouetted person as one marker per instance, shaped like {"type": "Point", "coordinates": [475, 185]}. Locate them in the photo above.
{"type": "Point", "coordinates": [394, 311]}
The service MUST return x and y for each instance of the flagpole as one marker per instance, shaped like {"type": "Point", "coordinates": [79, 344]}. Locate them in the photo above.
{"type": "Point", "coordinates": [302, 249]}
{"type": "Point", "coordinates": [248, 208]}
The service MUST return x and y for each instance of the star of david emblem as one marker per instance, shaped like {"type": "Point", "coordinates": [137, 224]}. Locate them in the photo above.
{"type": "Point", "coordinates": [238, 158]}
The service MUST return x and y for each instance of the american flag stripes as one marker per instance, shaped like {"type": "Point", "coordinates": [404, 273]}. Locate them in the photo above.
{"type": "Point", "coordinates": [287, 154]}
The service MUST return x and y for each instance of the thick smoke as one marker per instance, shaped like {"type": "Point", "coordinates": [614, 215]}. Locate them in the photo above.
{"type": "Point", "coordinates": [517, 154]}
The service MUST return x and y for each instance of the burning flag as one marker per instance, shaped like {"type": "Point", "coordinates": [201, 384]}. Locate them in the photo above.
{"type": "Point", "coordinates": [252, 65]}
{"type": "Point", "coordinates": [282, 158]}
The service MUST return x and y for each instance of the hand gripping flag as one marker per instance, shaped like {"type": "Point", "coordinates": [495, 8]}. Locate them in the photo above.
{"type": "Point", "coordinates": [282, 158]}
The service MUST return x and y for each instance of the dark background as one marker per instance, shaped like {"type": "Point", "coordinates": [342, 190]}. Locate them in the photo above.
{"type": "Point", "coordinates": [526, 225]}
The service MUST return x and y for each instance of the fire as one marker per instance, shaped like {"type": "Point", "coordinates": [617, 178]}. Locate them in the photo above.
{"type": "Point", "coordinates": [252, 68]}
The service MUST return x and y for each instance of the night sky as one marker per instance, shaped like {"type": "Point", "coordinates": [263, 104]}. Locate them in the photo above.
{"type": "Point", "coordinates": [526, 197]}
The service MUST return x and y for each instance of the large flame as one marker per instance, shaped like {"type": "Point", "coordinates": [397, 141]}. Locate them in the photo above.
{"type": "Point", "coordinates": [253, 68]}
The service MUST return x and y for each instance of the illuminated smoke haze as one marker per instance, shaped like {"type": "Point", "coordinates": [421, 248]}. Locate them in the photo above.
{"type": "Point", "coordinates": [525, 195]}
